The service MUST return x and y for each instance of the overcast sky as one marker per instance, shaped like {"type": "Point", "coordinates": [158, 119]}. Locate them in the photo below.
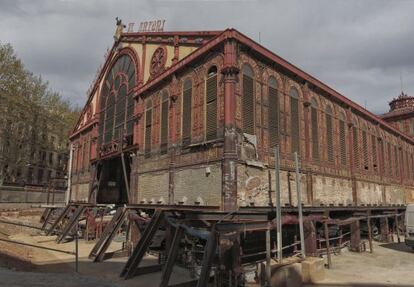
{"type": "Point", "coordinates": [360, 48]}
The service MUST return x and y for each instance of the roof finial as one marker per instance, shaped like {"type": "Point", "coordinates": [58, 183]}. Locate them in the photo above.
{"type": "Point", "coordinates": [119, 28]}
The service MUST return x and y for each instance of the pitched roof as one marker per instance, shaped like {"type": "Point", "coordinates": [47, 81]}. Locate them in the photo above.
{"type": "Point", "coordinates": [218, 38]}
{"type": "Point", "coordinates": [270, 56]}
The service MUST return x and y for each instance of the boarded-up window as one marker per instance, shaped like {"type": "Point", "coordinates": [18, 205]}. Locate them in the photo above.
{"type": "Point", "coordinates": [374, 153]}
{"type": "Point", "coordinates": [273, 113]}
{"type": "Point", "coordinates": [382, 159]}
{"type": "Point", "coordinates": [148, 127]}
{"type": "Point", "coordinates": [365, 149]}
{"type": "Point", "coordinates": [314, 124]}
{"type": "Point", "coordinates": [294, 120]}
{"type": "Point", "coordinates": [397, 162]}
{"type": "Point", "coordinates": [164, 122]}
{"type": "Point", "coordinates": [187, 99]}
{"type": "Point", "coordinates": [211, 104]}
{"type": "Point", "coordinates": [329, 134]}
{"type": "Point", "coordinates": [355, 147]}
{"type": "Point", "coordinates": [412, 166]}
{"type": "Point", "coordinates": [248, 100]}
{"type": "Point", "coordinates": [342, 139]}
{"type": "Point", "coordinates": [390, 165]}
{"type": "Point", "coordinates": [83, 165]}
{"type": "Point", "coordinates": [87, 154]}
{"type": "Point", "coordinates": [405, 160]}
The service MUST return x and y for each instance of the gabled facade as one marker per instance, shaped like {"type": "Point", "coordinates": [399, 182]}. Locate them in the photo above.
{"type": "Point", "coordinates": [193, 118]}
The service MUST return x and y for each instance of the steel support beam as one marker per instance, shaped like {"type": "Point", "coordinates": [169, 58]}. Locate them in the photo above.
{"type": "Point", "coordinates": [310, 238]}
{"type": "Point", "coordinates": [355, 236]}
{"type": "Point", "coordinates": [208, 257]}
{"type": "Point", "coordinates": [172, 256]}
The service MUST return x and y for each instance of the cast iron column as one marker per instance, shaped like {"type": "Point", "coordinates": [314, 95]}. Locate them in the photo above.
{"type": "Point", "coordinates": [174, 92]}
{"type": "Point", "coordinates": [229, 168]}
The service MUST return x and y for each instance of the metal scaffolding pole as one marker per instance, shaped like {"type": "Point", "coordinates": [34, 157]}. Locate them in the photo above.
{"type": "Point", "coordinates": [299, 200]}
{"type": "Point", "coordinates": [68, 190]}
{"type": "Point", "coordinates": [278, 207]}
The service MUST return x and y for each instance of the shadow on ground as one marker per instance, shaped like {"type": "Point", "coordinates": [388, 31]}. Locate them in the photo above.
{"type": "Point", "coordinates": [359, 285]}
{"type": "Point", "coordinates": [402, 247]}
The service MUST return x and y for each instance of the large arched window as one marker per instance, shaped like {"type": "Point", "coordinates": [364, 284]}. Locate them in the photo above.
{"type": "Point", "coordinates": [211, 104]}
{"type": "Point", "coordinates": [273, 114]}
{"type": "Point", "coordinates": [294, 120]}
{"type": "Point", "coordinates": [164, 121]}
{"type": "Point", "coordinates": [342, 138]}
{"type": "Point", "coordinates": [329, 134]}
{"type": "Point", "coordinates": [314, 127]}
{"type": "Point", "coordinates": [248, 100]}
{"type": "Point", "coordinates": [117, 103]}
{"type": "Point", "coordinates": [187, 99]}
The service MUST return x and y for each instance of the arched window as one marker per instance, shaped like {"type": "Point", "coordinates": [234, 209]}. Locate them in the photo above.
{"type": "Point", "coordinates": [342, 138]}
{"type": "Point", "coordinates": [355, 146]}
{"type": "Point", "coordinates": [164, 121]}
{"type": "Point", "coordinates": [329, 134]}
{"type": "Point", "coordinates": [294, 120]}
{"type": "Point", "coordinates": [211, 104]}
{"type": "Point", "coordinates": [148, 127]}
{"type": "Point", "coordinates": [273, 114]}
{"type": "Point", "coordinates": [365, 147]}
{"type": "Point", "coordinates": [314, 127]}
{"type": "Point", "coordinates": [187, 99]}
{"type": "Point", "coordinates": [248, 100]}
{"type": "Point", "coordinates": [117, 103]}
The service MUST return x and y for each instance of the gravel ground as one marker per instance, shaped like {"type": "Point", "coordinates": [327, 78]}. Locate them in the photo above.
{"type": "Point", "coordinates": [391, 264]}
{"type": "Point", "coordinates": [12, 278]}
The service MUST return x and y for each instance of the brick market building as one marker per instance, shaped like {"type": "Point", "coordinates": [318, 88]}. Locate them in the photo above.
{"type": "Point", "coordinates": [193, 118]}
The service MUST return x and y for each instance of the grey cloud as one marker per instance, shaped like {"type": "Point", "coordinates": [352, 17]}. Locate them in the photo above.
{"type": "Point", "coordinates": [357, 47]}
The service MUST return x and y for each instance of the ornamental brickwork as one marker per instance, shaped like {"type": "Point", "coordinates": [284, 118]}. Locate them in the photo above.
{"type": "Point", "coordinates": [348, 155]}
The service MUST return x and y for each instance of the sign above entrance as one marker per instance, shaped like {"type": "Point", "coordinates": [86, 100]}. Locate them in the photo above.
{"type": "Point", "coordinates": [151, 26]}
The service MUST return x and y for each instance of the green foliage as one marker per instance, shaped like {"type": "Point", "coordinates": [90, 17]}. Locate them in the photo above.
{"type": "Point", "coordinates": [30, 114]}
